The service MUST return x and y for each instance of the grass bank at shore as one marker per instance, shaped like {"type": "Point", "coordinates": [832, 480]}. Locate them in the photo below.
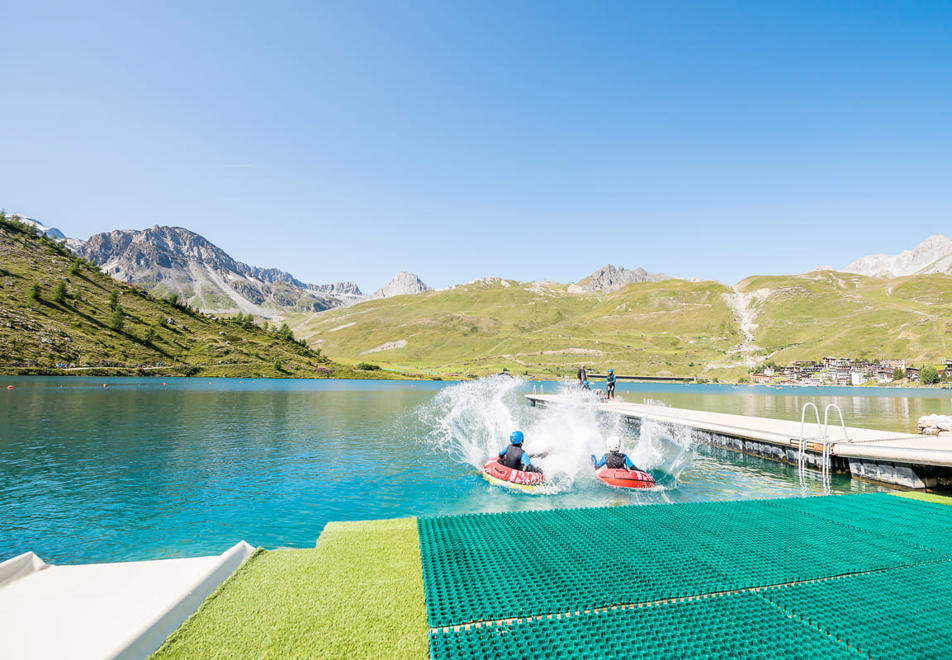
{"type": "Point", "coordinates": [357, 593]}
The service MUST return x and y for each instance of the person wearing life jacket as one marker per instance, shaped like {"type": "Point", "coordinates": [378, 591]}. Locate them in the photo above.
{"type": "Point", "coordinates": [614, 459]}
{"type": "Point", "coordinates": [515, 457]}
{"type": "Point", "coordinates": [585, 385]}
{"type": "Point", "coordinates": [610, 384]}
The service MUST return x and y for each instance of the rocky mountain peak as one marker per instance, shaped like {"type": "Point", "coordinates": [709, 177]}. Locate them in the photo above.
{"type": "Point", "coordinates": [933, 255]}
{"type": "Point", "coordinates": [176, 260]}
{"type": "Point", "coordinates": [609, 278]}
{"type": "Point", "coordinates": [403, 284]}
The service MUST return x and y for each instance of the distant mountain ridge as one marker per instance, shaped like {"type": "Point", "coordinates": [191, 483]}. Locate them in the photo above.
{"type": "Point", "coordinates": [166, 260]}
{"type": "Point", "coordinates": [608, 278]}
{"type": "Point", "coordinates": [933, 255]}
{"type": "Point", "coordinates": [403, 284]}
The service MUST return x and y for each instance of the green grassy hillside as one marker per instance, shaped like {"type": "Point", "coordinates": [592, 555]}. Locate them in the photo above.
{"type": "Point", "coordinates": [827, 313]}
{"type": "Point", "coordinates": [664, 328]}
{"type": "Point", "coordinates": [668, 328]}
{"type": "Point", "coordinates": [61, 315]}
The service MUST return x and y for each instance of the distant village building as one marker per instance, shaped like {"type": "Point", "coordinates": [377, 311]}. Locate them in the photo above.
{"type": "Point", "coordinates": [840, 371]}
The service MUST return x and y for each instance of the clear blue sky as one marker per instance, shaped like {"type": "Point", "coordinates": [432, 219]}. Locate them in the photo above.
{"type": "Point", "coordinates": [529, 140]}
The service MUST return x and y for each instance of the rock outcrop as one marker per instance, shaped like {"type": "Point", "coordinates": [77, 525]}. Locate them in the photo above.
{"type": "Point", "coordinates": [609, 278]}
{"type": "Point", "coordinates": [403, 284]}
{"type": "Point", "coordinates": [166, 260]}
{"type": "Point", "coordinates": [935, 425]}
{"type": "Point", "coordinates": [933, 255]}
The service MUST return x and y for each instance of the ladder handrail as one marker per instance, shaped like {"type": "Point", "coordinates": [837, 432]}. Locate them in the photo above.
{"type": "Point", "coordinates": [827, 442]}
{"type": "Point", "coordinates": [826, 412]}
{"type": "Point", "coordinates": [803, 415]}
{"type": "Point", "coordinates": [802, 445]}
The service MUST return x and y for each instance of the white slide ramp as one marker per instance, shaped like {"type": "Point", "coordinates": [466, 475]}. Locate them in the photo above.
{"type": "Point", "coordinates": [119, 610]}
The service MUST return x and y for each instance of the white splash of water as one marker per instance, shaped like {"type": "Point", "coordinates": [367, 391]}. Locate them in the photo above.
{"type": "Point", "coordinates": [663, 448]}
{"type": "Point", "coordinates": [472, 421]}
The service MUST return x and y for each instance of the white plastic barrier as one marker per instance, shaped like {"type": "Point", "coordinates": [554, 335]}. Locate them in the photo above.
{"type": "Point", "coordinates": [19, 567]}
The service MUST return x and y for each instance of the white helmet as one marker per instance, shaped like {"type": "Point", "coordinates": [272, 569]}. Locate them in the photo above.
{"type": "Point", "coordinates": [613, 444]}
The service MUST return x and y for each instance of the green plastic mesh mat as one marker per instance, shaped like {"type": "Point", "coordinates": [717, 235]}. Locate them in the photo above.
{"type": "Point", "coordinates": [740, 625]}
{"type": "Point", "coordinates": [489, 567]}
{"type": "Point", "coordinates": [921, 523]}
{"type": "Point", "coordinates": [897, 613]}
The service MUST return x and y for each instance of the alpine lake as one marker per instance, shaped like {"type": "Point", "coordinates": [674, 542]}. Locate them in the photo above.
{"type": "Point", "coordinates": [95, 470]}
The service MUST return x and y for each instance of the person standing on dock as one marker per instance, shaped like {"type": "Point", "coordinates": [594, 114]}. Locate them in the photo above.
{"type": "Point", "coordinates": [610, 384]}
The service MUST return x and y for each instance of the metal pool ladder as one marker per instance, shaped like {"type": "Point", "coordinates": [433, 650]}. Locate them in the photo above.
{"type": "Point", "coordinates": [824, 437]}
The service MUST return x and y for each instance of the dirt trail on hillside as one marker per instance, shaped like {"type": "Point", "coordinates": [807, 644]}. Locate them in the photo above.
{"type": "Point", "coordinates": [742, 305]}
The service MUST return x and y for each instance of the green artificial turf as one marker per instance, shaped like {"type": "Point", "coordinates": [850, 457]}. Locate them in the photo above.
{"type": "Point", "coordinates": [926, 497]}
{"type": "Point", "coordinates": [358, 593]}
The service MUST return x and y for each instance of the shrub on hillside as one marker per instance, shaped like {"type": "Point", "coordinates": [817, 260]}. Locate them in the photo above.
{"type": "Point", "coordinates": [929, 376]}
{"type": "Point", "coordinates": [116, 321]}
{"type": "Point", "coordinates": [367, 366]}
{"type": "Point", "coordinates": [59, 293]}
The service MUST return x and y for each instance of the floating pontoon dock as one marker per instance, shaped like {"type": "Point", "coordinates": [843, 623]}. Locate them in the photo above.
{"type": "Point", "coordinates": [902, 459]}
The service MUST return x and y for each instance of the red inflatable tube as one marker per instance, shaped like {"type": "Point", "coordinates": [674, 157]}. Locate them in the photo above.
{"type": "Point", "coordinates": [623, 478]}
{"type": "Point", "coordinates": [501, 475]}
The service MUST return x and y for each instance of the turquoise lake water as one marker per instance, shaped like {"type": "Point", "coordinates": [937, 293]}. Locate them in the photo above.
{"type": "Point", "coordinates": [143, 469]}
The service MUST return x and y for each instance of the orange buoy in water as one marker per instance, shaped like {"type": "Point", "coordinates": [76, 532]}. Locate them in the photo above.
{"type": "Point", "coordinates": [165, 383]}
{"type": "Point", "coordinates": [9, 387]}
{"type": "Point", "coordinates": [104, 385]}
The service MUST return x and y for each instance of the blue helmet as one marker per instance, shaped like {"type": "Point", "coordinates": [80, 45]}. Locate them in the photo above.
{"type": "Point", "coordinates": [611, 371]}
{"type": "Point", "coordinates": [516, 438]}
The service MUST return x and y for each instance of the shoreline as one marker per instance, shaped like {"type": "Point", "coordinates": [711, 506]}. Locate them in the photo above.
{"type": "Point", "coordinates": [212, 371]}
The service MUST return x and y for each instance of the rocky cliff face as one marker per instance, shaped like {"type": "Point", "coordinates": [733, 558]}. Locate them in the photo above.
{"type": "Point", "coordinates": [609, 278]}
{"type": "Point", "coordinates": [167, 260]}
{"type": "Point", "coordinates": [403, 284]}
{"type": "Point", "coordinates": [933, 255]}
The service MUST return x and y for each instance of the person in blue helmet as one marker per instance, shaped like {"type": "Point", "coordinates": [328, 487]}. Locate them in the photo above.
{"type": "Point", "coordinates": [614, 458]}
{"type": "Point", "coordinates": [610, 384]}
{"type": "Point", "coordinates": [515, 457]}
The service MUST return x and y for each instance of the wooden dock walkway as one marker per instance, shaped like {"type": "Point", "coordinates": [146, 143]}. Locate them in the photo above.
{"type": "Point", "coordinates": [903, 459]}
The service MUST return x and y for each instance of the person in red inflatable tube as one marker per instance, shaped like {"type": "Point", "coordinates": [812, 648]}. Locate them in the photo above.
{"type": "Point", "coordinates": [515, 457]}
{"type": "Point", "coordinates": [614, 458]}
